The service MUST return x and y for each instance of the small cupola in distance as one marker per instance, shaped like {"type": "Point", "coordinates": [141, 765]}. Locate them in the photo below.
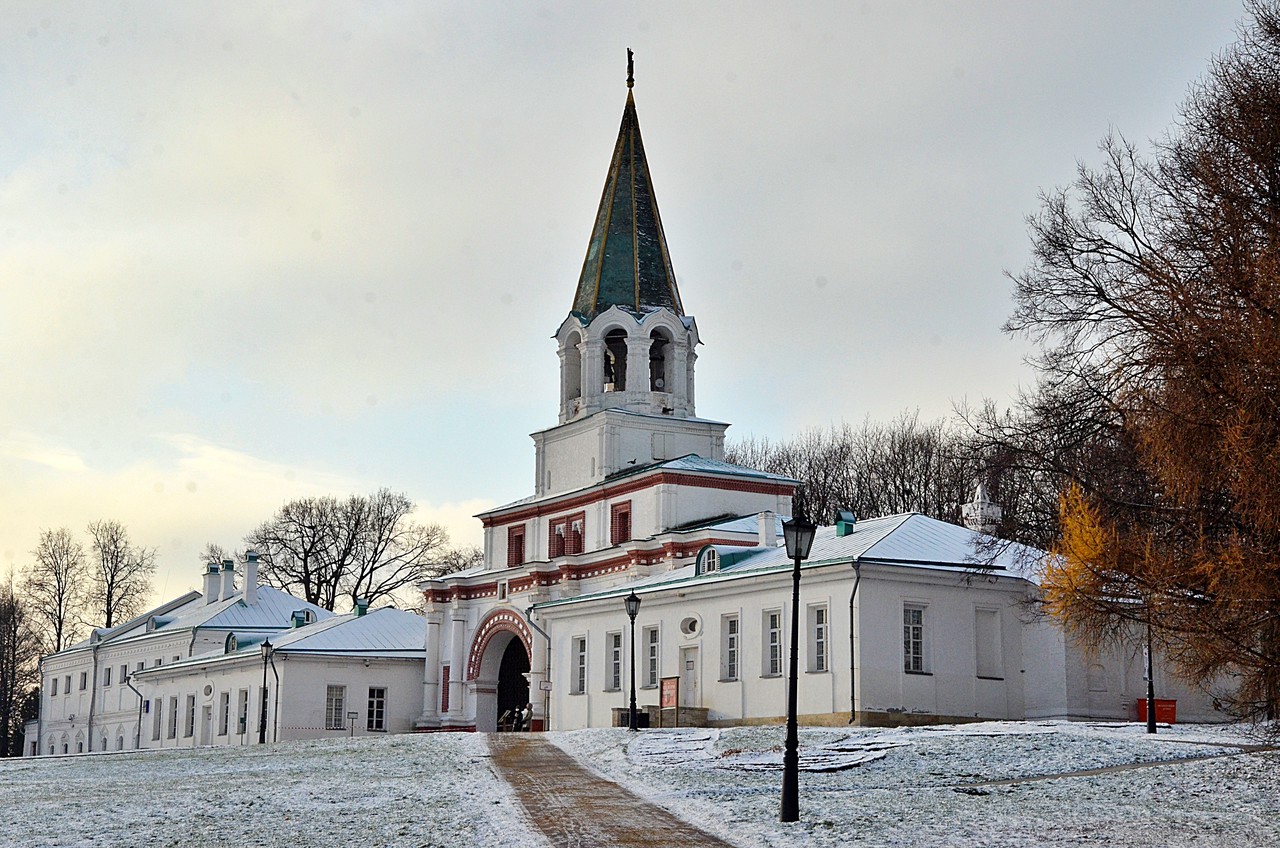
{"type": "Point", "coordinates": [982, 515]}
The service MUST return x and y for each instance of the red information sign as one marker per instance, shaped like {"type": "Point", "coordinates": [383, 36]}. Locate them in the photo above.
{"type": "Point", "coordinates": [670, 692]}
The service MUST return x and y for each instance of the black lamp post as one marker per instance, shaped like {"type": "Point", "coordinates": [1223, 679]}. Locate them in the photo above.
{"type": "Point", "coordinates": [798, 534]}
{"type": "Point", "coordinates": [262, 719]}
{"type": "Point", "coordinates": [632, 602]}
{"type": "Point", "coordinates": [1151, 682]}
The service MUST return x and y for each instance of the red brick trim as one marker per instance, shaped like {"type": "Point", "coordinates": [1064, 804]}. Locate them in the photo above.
{"type": "Point", "coordinates": [499, 621]}
{"type": "Point", "coordinates": [667, 478]}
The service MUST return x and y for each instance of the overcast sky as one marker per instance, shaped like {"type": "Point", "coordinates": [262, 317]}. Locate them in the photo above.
{"type": "Point", "coordinates": [254, 251]}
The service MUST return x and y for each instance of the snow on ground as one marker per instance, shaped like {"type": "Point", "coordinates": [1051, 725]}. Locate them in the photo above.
{"type": "Point", "coordinates": [922, 786]}
{"type": "Point", "coordinates": [420, 790]}
{"type": "Point", "coordinates": [919, 786]}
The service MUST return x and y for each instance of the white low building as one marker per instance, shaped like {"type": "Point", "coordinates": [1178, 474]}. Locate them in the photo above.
{"type": "Point", "coordinates": [632, 493]}
{"type": "Point", "coordinates": [190, 672]}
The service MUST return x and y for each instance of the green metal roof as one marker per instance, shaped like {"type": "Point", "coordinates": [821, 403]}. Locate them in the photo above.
{"type": "Point", "coordinates": [627, 262]}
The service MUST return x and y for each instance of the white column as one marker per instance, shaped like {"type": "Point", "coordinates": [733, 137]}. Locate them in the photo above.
{"type": "Point", "coordinates": [431, 677]}
{"type": "Point", "coordinates": [638, 366]}
{"type": "Point", "coordinates": [457, 663]}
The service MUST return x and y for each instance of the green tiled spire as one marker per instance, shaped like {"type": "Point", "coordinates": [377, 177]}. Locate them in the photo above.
{"type": "Point", "coordinates": [627, 262]}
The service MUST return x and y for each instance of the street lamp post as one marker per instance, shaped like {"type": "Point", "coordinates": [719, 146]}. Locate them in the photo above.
{"type": "Point", "coordinates": [632, 603]}
{"type": "Point", "coordinates": [262, 719]}
{"type": "Point", "coordinates": [798, 534]}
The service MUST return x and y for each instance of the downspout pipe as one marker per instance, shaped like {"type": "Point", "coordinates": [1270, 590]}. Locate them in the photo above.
{"type": "Point", "coordinates": [546, 695]}
{"type": "Point", "coordinates": [93, 692]}
{"type": "Point", "coordinates": [275, 718]}
{"type": "Point", "coordinates": [137, 739]}
{"type": "Point", "coordinates": [853, 680]}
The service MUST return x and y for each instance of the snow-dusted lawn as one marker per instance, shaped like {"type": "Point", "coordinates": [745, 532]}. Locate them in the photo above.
{"type": "Point", "coordinates": [915, 786]}
{"type": "Point", "coordinates": [862, 787]}
{"type": "Point", "coordinates": [421, 790]}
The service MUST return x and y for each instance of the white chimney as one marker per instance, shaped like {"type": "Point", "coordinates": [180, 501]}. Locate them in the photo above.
{"type": "Point", "coordinates": [251, 578]}
{"type": "Point", "coordinates": [228, 580]}
{"type": "Point", "coordinates": [211, 583]}
{"type": "Point", "coordinates": [768, 530]}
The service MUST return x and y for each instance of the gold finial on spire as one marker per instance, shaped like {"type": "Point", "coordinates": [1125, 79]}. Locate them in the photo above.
{"type": "Point", "coordinates": [631, 69]}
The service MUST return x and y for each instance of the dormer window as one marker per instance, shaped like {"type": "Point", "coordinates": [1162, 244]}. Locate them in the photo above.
{"type": "Point", "coordinates": [708, 560]}
{"type": "Point", "coordinates": [232, 645]}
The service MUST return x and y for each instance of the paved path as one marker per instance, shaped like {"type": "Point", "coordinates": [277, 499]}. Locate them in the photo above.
{"type": "Point", "coordinates": [575, 808]}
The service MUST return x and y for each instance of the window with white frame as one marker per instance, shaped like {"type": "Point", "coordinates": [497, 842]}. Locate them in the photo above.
{"type": "Point", "coordinates": [84, 680]}
{"type": "Point", "coordinates": [106, 676]}
{"type": "Point", "coordinates": [156, 722]}
{"type": "Point", "coordinates": [66, 685]}
{"type": "Point", "coordinates": [242, 711]}
{"type": "Point", "coordinates": [173, 717]}
{"type": "Point", "coordinates": [53, 689]}
{"type": "Point", "coordinates": [124, 673]}
{"type": "Point", "coordinates": [730, 639]}
{"type": "Point", "coordinates": [335, 705]}
{"type": "Point", "coordinates": [651, 656]}
{"type": "Point", "coordinates": [913, 648]}
{"type": "Point", "coordinates": [189, 728]}
{"type": "Point", "coordinates": [986, 638]}
{"type": "Point", "coordinates": [613, 661]}
{"type": "Point", "coordinates": [376, 719]}
{"type": "Point", "coordinates": [819, 639]}
{"type": "Point", "coordinates": [224, 713]}
{"type": "Point", "coordinates": [579, 681]}
{"type": "Point", "coordinates": [772, 643]}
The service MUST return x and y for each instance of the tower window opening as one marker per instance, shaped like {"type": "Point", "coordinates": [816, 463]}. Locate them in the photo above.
{"type": "Point", "coordinates": [615, 361]}
{"type": "Point", "coordinates": [572, 368]}
{"type": "Point", "coordinates": [659, 372]}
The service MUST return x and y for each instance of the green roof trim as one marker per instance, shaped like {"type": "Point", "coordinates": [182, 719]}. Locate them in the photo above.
{"type": "Point", "coordinates": [627, 263]}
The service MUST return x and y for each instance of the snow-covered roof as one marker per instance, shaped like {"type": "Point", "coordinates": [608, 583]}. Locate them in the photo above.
{"type": "Point", "coordinates": [690, 463]}
{"type": "Point", "coordinates": [380, 632]}
{"type": "Point", "coordinates": [910, 540]}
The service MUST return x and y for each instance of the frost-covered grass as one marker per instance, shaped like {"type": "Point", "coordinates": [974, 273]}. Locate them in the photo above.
{"type": "Point", "coordinates": [916, 786]}
{"type": "Point", "coordinates": [922, 785]}
{"type": "Point", "coordinates": [419, 790]}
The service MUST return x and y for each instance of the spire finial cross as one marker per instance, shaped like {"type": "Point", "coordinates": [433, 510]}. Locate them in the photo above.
{"type": "Point", "coordinates": [631, 69]}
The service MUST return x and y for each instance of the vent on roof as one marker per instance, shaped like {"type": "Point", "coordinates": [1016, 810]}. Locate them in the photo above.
{"type": "Point", "coordinates": [844, 522]}
{"type": "Point", "coordinates": [362, 606]}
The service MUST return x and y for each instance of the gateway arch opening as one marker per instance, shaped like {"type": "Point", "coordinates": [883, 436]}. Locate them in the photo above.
{"type": "Point", "coordinates": [513, 687]}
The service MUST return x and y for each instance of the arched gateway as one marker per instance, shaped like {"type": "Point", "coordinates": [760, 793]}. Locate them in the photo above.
{"type": "Point", "coordinates": [498, 666]}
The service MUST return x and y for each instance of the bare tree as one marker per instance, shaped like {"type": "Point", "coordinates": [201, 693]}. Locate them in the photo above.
{"type": "Point", "coordinates": [19, 676]}
{"type": "Point", "coordinates": [1154, 294]}
{"type": "Point", "coordinates": [362, 547]}
{"type": "Point", "coordinates": [57, 587]}
{"type": "Point", "coordinates": [122, 573]}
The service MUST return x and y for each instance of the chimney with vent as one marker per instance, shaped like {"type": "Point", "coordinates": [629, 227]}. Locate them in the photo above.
{"type": "Point", "coordinates": [251, 578]}
{"type": "Point", "coordinates": [228, 580]}
{"type": "Point", "coordinates": [362, 606]}
{"type": "Point", "coordinates": [211, 583]}
{"type": "Point", "coordinates": [768, 530]}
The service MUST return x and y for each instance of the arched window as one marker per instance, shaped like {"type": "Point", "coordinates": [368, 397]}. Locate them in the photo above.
{"type": "Point", "coordinates": [659, 362]}
{"type": "Point", "coordinates": [615, 361]}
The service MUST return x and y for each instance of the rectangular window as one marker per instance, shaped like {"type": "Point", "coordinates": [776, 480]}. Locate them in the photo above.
{"type": "Point", "coordinates": [913, 660]}
{"type": "Point", "coordinates": [124, 673]}
{"type": "Point", "coordinates": [444, 689]}
{"type": "Point", "coordinates": [729, 636]}
{"type": "Point", "coordinates": [84, 680]}
{"type": "Point", "coordinates": [106, 676]}
{"type": "Point", "coordinates": [173, 716]}
{"type": "Point", "coordinates": [189, 729]}
{"type": "Point", "coordinates": [620, 523]}
{"type": "Point", "coordinates": [565, 535]}
{"type": "Point", "coordinates": [986, 638]}
{"type": "Point", "coordinates": [242, 711]}
{"type": "Point", "coordinates": [66, 687]}
{"type": "Point", "coordinates": [502, 590]}
{"type": "Point", "coordinates": [651, 656]}
{"type": "Point", "coordinates": [54, 687]}
{"type": "Point", "coordinates": [224, 713]}
{"type": "Point", "coordinates": [772, 643]}
{"type": "Point", "coordinates": [141, 665]}
{"type": "Point", "coordinates": [156, 722]}
{"type": "Point", "coordinates": [819, 639]}
{"type": "Point", "coordinates": [579, 683]}
{"type": "Point", "coordinates": [377, 715]}
{"type": "Point", "coordinates": [515, 546]}
{"type": "Point", "coordinates": [335, 705]}
{"type": "Point", "coordinates": [613, 662]}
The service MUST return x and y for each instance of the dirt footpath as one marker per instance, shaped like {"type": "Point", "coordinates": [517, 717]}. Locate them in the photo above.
{"type": "Point", "coordinates": [578, 809]}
